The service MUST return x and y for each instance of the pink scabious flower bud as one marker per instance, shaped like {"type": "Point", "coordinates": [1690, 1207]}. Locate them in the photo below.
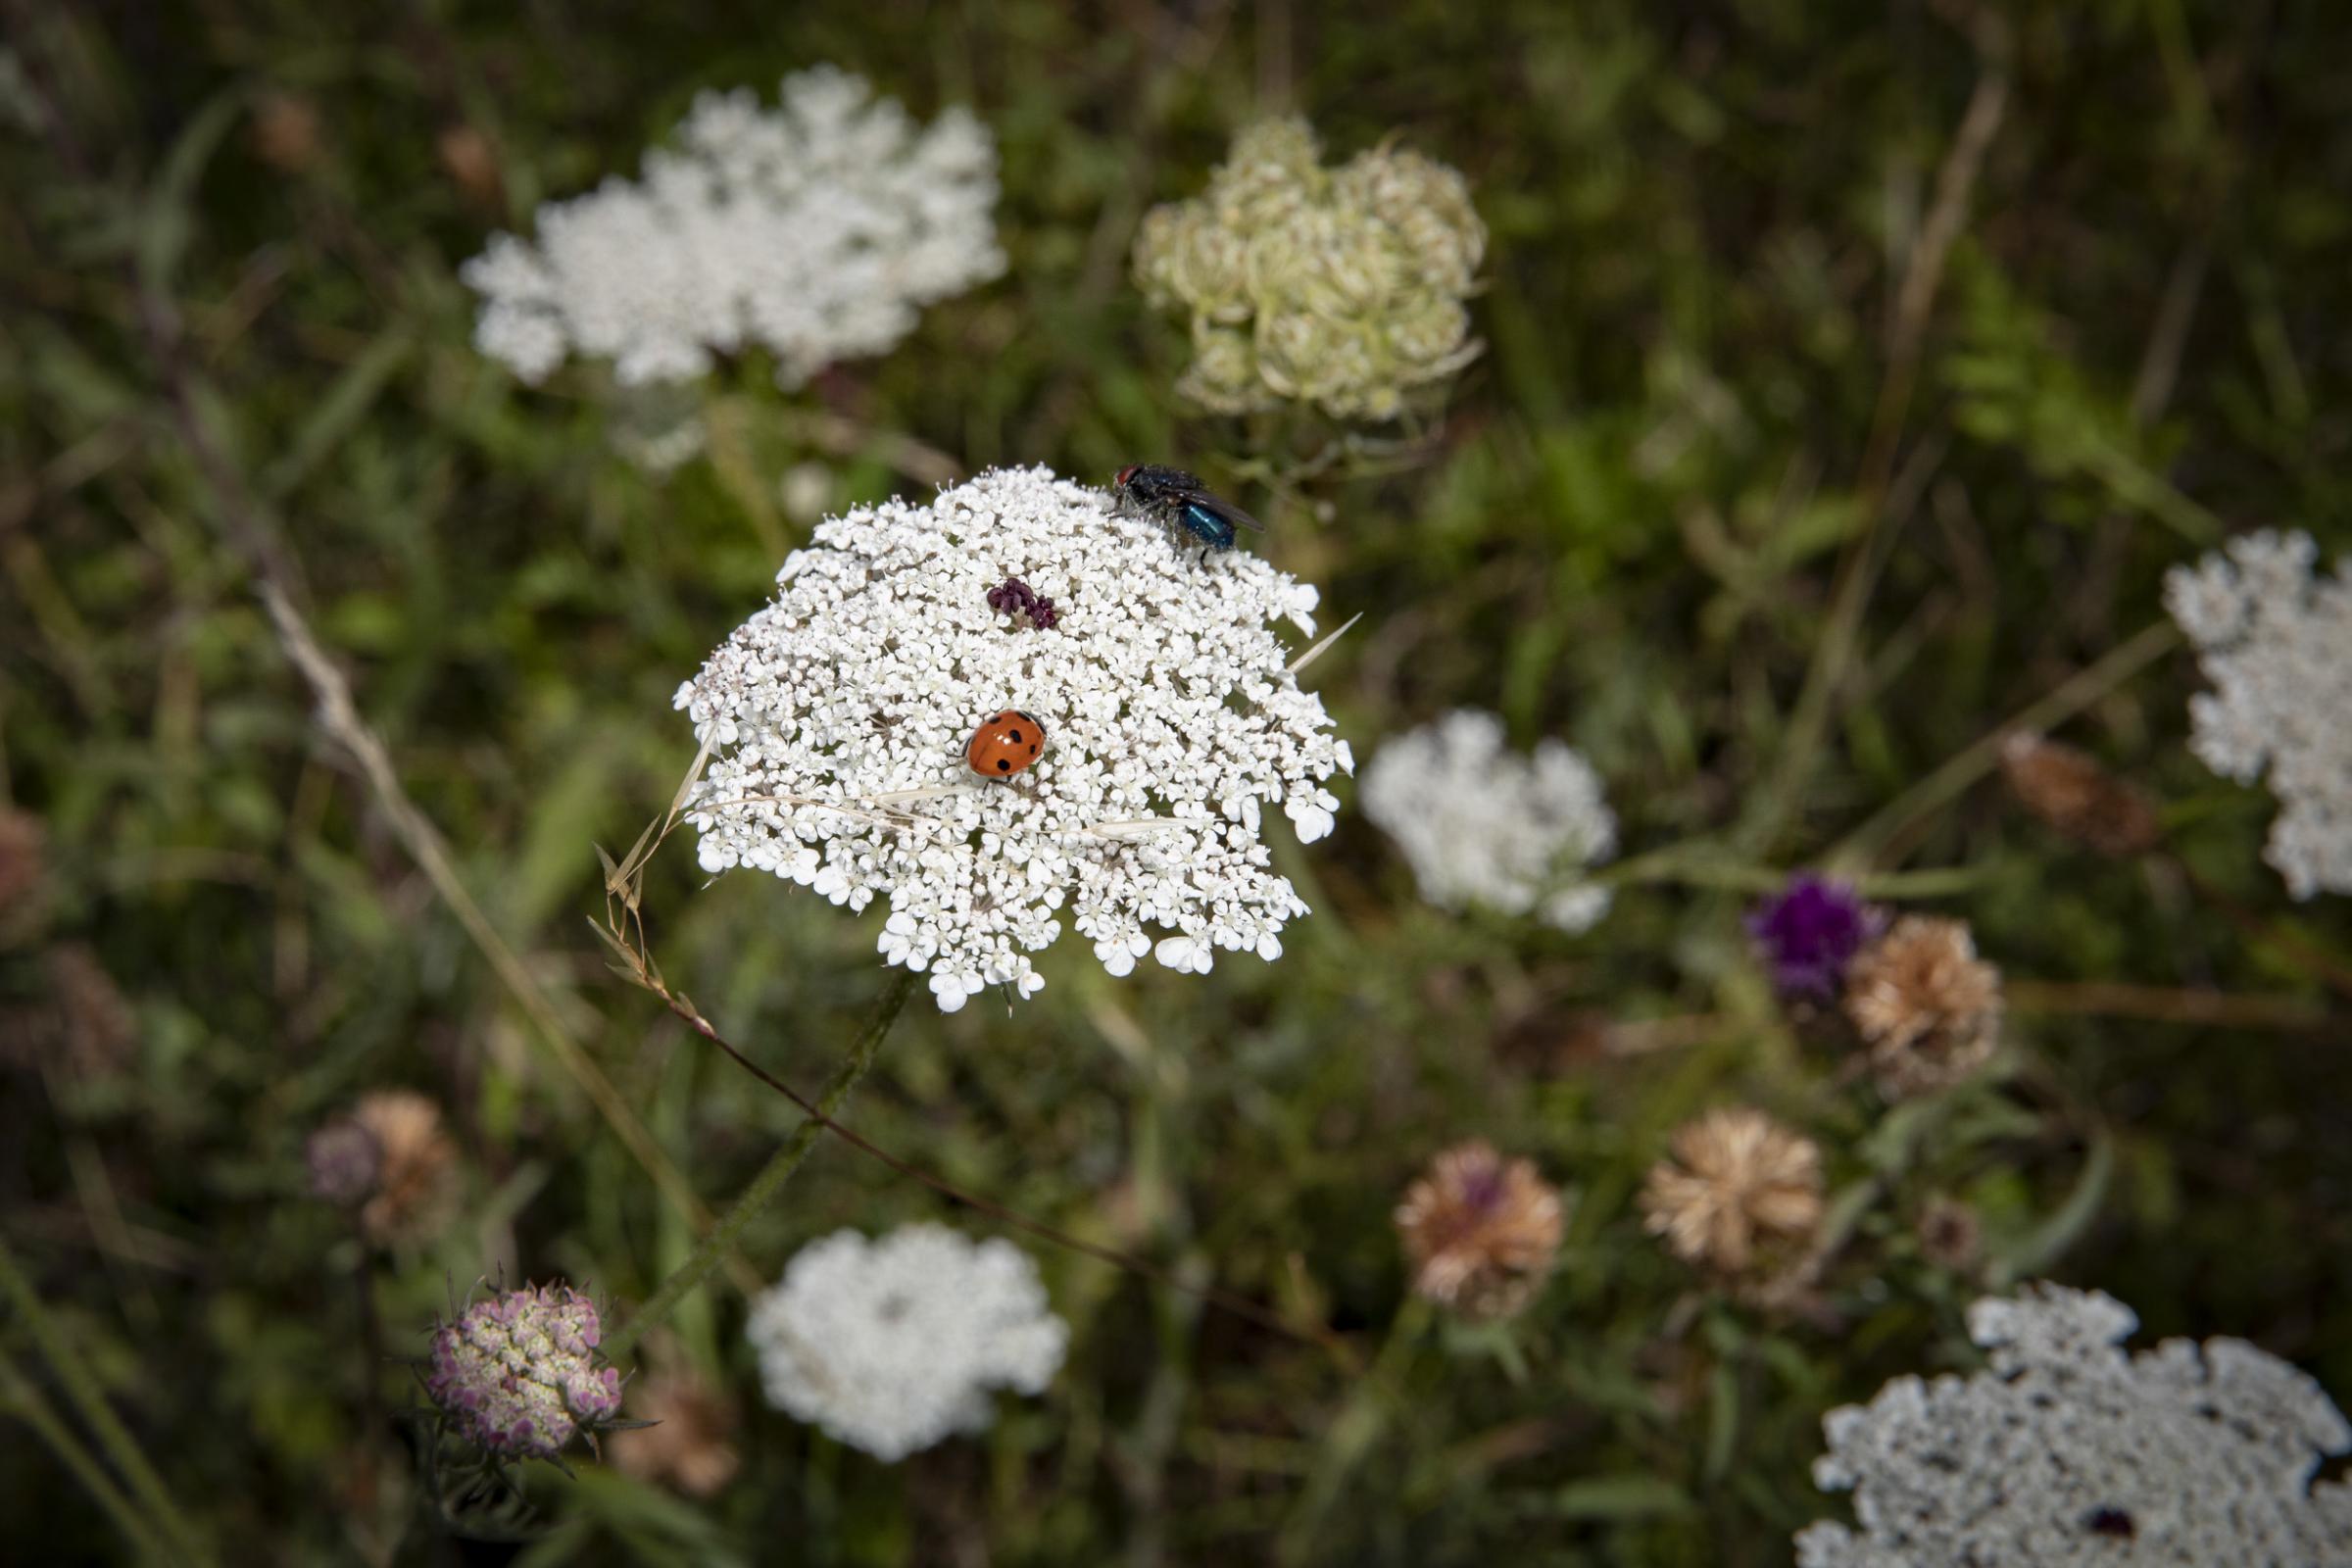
{"type": "Point", "coordinates": [518, 1374]}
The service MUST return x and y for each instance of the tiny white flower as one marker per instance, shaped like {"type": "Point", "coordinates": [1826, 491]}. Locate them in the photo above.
{"type": "Point", "coordinates": [2276, 641]}
{"type": "Point", "coordinates": [815, 230]}
{"type": "Point", "coordinates": [839, 715]}
{"type": "Point", "coordinates": [893, 1344]}
{"type": "Point", "coordinates": [1483, 825]}
{"type": "Point", "coordinates": [1184, 954]}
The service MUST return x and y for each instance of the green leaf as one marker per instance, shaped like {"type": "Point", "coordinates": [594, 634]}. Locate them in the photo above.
{"type": "Point", "coordinates": [340, 412]}
{"type": "Point", "coordinates": [168, 221]}
{"type": "Point", "coordinates": [1616, 1497]}
{"type": "Point", "coordinates": [2041, 1248]}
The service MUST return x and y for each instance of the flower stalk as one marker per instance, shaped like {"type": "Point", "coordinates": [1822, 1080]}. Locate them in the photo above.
{"type": "Point", "coordinates": [763, 1190]}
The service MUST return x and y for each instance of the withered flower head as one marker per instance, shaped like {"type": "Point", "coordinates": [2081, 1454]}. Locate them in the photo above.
{"type": "Point", "coordinates": [76, 1022]}
{"type": "Point", "coordinates": [1480, 1231]}
{"type": "Point", "coordinates": [286, 131]}
{"type": "Point", "coordinates": [470, 161]}
{"type": "Point", "coordinates": [1928, 1006]}
{"type": "Point", "coordinates": [1950, 1236]}
{"type": "Point", "coordinates": [23, 870]}
{"type": "Point", "coordinates": [416, 1178]}
{"type": "Point", "coordinates": [2071, 791]}
{"type": "Point", "coordinates": [1738, 1185]}
{"type": "Point", "coordinates": [343, 1162]}
{"type": "Point", "coordinates": [688, 1443]}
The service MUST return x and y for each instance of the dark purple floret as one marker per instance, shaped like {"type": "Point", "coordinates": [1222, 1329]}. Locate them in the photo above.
{"type": "Point", "coordinates": [1015, 598]}
{"type": "Point", "coordinates": [1809, 931]}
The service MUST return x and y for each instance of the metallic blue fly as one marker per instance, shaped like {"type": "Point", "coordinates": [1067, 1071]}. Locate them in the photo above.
{"type": "Point", "coordinates": [1181, 500]}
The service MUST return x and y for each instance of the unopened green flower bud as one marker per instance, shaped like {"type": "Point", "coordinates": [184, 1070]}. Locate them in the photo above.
{"type": "Point", "coordinates": [1340, 287]}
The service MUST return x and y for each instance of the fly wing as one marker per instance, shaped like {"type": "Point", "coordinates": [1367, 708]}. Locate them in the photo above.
{"type": "Point", "coordinates": [1226, 510]}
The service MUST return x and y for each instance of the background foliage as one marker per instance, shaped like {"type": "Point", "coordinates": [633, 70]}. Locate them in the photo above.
{"type": "Point", "coordinates": [1702, 390]}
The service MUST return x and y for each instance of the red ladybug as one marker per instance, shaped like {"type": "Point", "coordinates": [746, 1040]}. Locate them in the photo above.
{"type": "Point", "coordinates": [1006, 745]}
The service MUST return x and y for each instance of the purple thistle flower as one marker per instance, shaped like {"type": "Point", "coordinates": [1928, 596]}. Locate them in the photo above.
{"type": "Point", "coordinates": [1809, 931]}
{"type": "Point", "coordinates": [517, 1374]}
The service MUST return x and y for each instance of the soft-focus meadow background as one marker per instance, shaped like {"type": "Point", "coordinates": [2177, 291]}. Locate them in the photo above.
{"type": "Point", "coordinates": [1704, 378]}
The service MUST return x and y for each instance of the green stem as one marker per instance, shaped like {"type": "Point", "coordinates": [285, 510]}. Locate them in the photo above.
{"type": "Point", "coordinates": [20, 1398]}
{"type": "Point", "coordinates": [1370, 1409]}
{"type": "Point", "coordinates": [90, 1401]}
{"type": "Point", "coordinates": [771, 1181]}
{"type": "Point", "coordinates": [1677, 866]}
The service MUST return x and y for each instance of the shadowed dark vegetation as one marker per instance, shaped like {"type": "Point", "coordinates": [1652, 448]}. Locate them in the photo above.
{"type": "Point", "coordinates": [1853, 373]}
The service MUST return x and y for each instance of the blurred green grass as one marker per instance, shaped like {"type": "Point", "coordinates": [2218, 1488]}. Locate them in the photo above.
{"type": "Point", "coordinates": [1624, 534]}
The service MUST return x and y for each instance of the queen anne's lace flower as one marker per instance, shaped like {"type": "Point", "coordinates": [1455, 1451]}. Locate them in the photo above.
{"type": "Point", "coordinates": [891, 1345]}
{"type": "Point", "coordinates": [1340, 287]}
{"type": "Point", "coordinates": [518, 1373]}
{"type": "Point", "coordinates": [817, 230]}
{"type": "Point", "coordinates": [1481, 825]}
{"type": "Point", "coordinates": [838, 718]}
{"type": "Point", "coordinates": [2067, 1452]}
{"type": "Point", "coordinates": [2276, 643]}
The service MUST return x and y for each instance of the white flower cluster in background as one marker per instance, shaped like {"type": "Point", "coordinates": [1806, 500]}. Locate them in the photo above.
{"type": "Point", "coordinates": [817, 230]}
{"type": "Point", "coordinates": [893, 1344]}
{"type": "Point", "coordinates": [1483, 825]}
{"type": "Point", "coordinates": [2277, 644]}
{"type": "Point", "coordinates": [838, 716]}
{"type": "Point", "coordinates": [2069, 1451]}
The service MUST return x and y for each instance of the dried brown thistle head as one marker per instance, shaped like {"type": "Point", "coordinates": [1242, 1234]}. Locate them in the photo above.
{"type": "Point", "coordinates": [1740, 1192]}
{"type": "Point", "coordinates": [23, 866]}
{"type": "Point", "coordinates": [416, 1167]}
{"type": "Point", "coordinates": [1927, 1006]}
{"type": "Point", "coordinates": [286, 131]}
{"type": "Point", "coordinates": [689, 1443]}
{"type": "Point", "coordinates": [1950, 1235]}
{"type": "Point", "coordinates": [2072, 793]}
{"type": "Point", "coordinates": [1480, 1231]}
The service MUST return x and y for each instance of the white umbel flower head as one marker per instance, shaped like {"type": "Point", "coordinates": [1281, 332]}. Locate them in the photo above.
{"type": "Point", "coordinates": [893, 1344]}
{"type": "Point", "coordinates": [2277, 644]}
{"type": "Point", "coordinates": [2069, 1452]}
{"type": "Point", "coordinates": [817, 230]}
{"type": "Point", "coordinates": [1483, 825]}
{"type": "Point", "coordinates": [838, 718]}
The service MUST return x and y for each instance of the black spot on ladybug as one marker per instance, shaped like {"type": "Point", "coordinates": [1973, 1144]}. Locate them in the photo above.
{"type": "Point", "coordinates": [2115, 1522]}
{"type": "Point", "coordinates": [1014, 736]}
{"type": "Point", "coordinates": [1004, 767]}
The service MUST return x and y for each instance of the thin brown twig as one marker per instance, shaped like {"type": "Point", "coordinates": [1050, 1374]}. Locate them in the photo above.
{"type": "Point", "coordinates": [843, 437]}
{"type": "Point", "coordinates": [279, 583]}
{"type": "Point", "coordinates": [340, 718]}
{"type": "Point", "coordinates": [2112, 998]}
{"type": "Point", "coordinates": [1225, 1300]}
{"type": "Point", "coordinates": [623, 933]}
